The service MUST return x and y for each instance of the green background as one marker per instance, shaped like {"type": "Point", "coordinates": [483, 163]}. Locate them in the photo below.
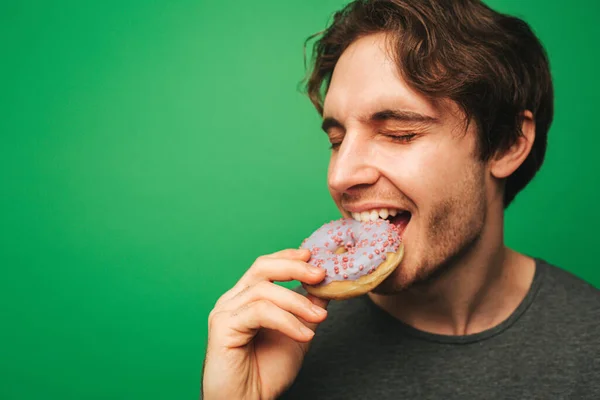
{"type": "Point", "coordinates": [151, 150]}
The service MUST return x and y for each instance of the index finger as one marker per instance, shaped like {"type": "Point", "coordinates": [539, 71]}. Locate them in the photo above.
{"type": "Point", "coordinates": [292, 254]}
{"type": "Point", "coordinates": [282, 270]}
{"type": "Point", "coordinates": [274, 267]}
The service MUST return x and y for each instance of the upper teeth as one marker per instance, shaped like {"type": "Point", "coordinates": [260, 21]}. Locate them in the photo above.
{"type": "Point", "coordinates": [374, 214]}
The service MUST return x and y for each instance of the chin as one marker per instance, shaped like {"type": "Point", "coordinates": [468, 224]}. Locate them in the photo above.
{"type": "Point", "coordinates": [398, 281]}
{"type": "Point", "coordinates": [410, 274]}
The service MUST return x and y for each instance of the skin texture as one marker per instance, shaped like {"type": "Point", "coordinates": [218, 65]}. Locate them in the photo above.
{"type": "Point", "coordinates": [456, 276]}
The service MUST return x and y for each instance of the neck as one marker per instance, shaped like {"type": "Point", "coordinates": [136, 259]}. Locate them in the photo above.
{"type": "Point", "coordinates": [479, 290]}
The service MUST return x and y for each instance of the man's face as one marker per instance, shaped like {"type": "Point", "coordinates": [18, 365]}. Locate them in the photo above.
{"type": "Point", "coordinates": [434, 174]}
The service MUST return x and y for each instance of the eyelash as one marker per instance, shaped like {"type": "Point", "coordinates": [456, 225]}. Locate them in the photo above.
{"type": "Point", "coordinates": [395, 138]}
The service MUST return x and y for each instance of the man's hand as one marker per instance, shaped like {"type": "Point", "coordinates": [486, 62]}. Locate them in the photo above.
{"type": "Point", "coordinates": [259, 332]}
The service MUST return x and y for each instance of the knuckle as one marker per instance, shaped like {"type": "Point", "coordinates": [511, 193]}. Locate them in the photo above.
{"type": "Point", "coordinates": [260, 260]}
{"type": "Point", "coordinates": [218, 302]}
{"type": "Point", "coordinates": [262, 306]}
{"type": "Point", "coordinates": [221, 300]}
{"type": "Point", "coordinates": [259, 264]}
{"type": "Point", "coordinates": [212, 316]}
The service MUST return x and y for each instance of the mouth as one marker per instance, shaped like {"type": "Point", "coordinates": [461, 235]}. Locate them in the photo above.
{"type": "Point", "coordinates": [397, 217]}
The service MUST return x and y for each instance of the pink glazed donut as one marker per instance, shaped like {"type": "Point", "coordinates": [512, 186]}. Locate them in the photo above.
{"type": "Point", "coordinates": [356, 256]}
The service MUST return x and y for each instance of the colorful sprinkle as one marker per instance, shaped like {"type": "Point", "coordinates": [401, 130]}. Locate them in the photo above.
{"type": "Point", "coordinates": [361, 242]}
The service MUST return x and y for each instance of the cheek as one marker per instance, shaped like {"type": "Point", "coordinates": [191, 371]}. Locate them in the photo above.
{"type": "Point", "coordinates": [425, 171]}
{"type": "Point", "coordinates": [441, 166]}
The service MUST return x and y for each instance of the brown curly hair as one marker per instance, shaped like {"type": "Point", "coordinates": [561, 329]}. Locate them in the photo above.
{"type": "Point", "coordinates": [490, 64]}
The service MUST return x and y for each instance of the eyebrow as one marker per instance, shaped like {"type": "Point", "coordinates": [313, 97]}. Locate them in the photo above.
{"type": "Point", "coordinates": [382, 116]}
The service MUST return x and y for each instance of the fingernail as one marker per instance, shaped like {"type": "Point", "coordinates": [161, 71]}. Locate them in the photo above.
{"type": "Point", "coordinates": [318, 310]}
{"type": "Point", "coordinates": [306, 331]}
{"type": "Point", "coordinates": [315, 270]}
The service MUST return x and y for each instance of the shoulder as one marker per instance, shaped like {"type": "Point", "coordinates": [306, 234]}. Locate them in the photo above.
{"type": "Point", "coordinates": [564, 321]}
{"type": "Point", "coordinates": [565, 306]}
{"type": "Point", "coordinates": [566, 290]}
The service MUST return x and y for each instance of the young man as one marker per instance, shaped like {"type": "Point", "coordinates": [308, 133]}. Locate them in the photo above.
{"type": "Point", "coordinates": [440, 108]}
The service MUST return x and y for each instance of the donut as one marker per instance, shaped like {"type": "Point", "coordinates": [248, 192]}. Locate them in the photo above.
{"type": "Point", "coordinates": [356, 256]}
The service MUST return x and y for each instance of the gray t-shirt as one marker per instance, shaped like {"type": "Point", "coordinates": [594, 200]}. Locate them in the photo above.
{"type": "Point", "coordinates": [549, 348]}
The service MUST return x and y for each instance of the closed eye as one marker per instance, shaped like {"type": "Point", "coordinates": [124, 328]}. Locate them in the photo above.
{"type": "Point", "coordinates": [402, 138]}
{"type": "Point", "coordinates": [406, 138]}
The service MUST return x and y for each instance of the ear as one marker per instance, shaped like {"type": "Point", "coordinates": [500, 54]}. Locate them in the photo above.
{"type": "Point", "coordinates": [507, 162]}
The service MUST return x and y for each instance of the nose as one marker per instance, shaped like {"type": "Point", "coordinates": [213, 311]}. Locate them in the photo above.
{"type": "Point", "coordinates": [352, 164]}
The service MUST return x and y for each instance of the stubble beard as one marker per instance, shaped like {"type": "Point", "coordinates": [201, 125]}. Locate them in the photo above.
{"type": "Point", "coordinates": [453, 229]}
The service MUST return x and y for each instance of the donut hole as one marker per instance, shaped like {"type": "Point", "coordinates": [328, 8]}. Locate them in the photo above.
{"type": "Point", "coordinates": [340, 250]}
